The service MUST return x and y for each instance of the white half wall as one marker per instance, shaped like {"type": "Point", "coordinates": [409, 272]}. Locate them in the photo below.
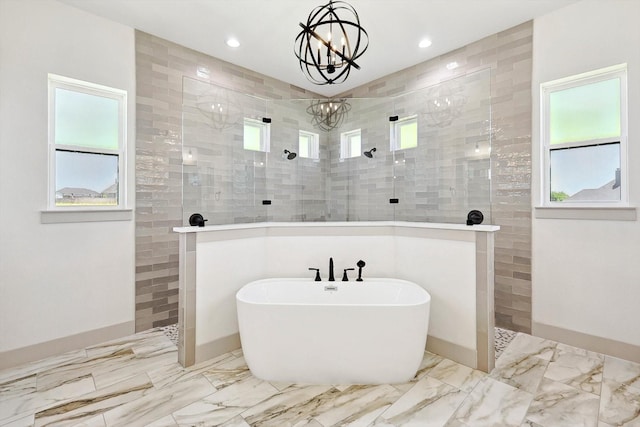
{"type": "Point", "coordinates": [57, 280]}
{"type": "Point", "coordinates": [586, 272]}
{"type": "Point", "coordinates": [445, 267]}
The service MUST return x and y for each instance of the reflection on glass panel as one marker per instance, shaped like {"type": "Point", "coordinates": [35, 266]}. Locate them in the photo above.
{"type": "Point", "coordinates": [86, 179]}
{"type": "Point", "coordinates": [86, 120]}
{"type": "Point", "coordinates": [586, 174]}
{"type": "Point", "coordinates": [585, 113]}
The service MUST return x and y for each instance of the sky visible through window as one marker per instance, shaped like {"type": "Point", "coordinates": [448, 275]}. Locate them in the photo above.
{"type": "Point", "coordinates": [582, 168]}
{"type": "Point", "coordinates": [85, 170]}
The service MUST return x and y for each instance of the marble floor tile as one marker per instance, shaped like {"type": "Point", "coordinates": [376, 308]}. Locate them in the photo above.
{"type": "Point", "coordinates": [532, 346]}
{"type": "Point", "coordinates": [429, 361]}
{"type": "Point", "coordinates": [557, 404]}
{"type": "Point", "coordinates": [564, 348]}
{"type": "Point", "coordinates": [20, 406]}
{"type": "Point", "coordinates": [97, 421]}
{"type": "Point", "coordinates": [136, 380]}
{"type": "Point", "coordinates": [226, 404]}
{"type": "Point", "coordinates": [15, 388]}
{"type": "Point", "coordinates": [236, 422]}
{"type": "Point", "coordinates": [358, 405]}
{"type": "Point", "coordinates": [619, 404]}
{"type": "Point", "coordinates": [123, 343]}
{"type": "Point", "coordinates": [108, 374]}
{"type": "Point", "coordinates": [173, 372]}
{"type": "Point", "coordinates": [28, 369]}
{"type": "Point", "coordinates": [20, 422]}
{"type": "Point", "coordinates": [85, 407]}
{"type": "Point", "coordinates": [493, 403]}
{"type": "Point", "coordinates": [167, 421]}
{"type": "Point", "coordinates": [430, 403]}
{"type": "Point", "coordinates": [66, 372]}
{"type": "Point", "coordinates": [289, 407]}
{"type": "Point", "coordinates": [460, 376]}
{"type": "Point", "coordinates": [520, 370]}
{"type": "Point", "coordinates": [158, 403]}
{"type": "Point", "coordinates": [577, 370]}
{"type": "Point", "coordinates": [622, 371]}
{"type": "Point", "coordinates": [227, 372]}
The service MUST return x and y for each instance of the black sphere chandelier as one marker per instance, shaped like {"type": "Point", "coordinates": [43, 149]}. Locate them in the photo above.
{"type": "Point", "coordinates": [328, 45]}
{"type": "Point", "coordinates": [327, 114]}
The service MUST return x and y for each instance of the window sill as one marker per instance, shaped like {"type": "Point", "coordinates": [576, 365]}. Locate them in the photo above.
{"type": "Point", "coordinates": [97, 215]}
{"type": "Point", "coordinates": [600, 213]}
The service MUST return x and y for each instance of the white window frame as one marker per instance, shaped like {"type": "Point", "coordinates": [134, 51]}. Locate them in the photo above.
{"type": "Point", "coordinates": [617, 71]}
{"type": "Point", "coordinates": [265, 134]}
{"type": "Point", "coordinates": [395, 128]}
{"type": "Point", "coordinates": [66, 83]}
{"type": "Point", "coordinates": [313, 144]}
{"type": "Point", "coordinates": [345, 144]}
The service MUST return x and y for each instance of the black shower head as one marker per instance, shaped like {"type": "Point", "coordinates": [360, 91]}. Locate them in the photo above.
{"type": "Point", "coordinates": [369, 153]}
{"type": "Point", "coordinates": [290, 155]}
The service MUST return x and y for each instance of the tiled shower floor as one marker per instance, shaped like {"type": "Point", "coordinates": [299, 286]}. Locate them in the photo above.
{"type": "Point", "coordinates": [136, 381]}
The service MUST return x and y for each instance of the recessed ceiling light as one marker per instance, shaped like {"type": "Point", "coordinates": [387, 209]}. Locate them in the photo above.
{"type": "Point", "coordinates": [233, 42]}
{"type": "Point", "coordinates": [424, 43]}
{"type": "Point", "coordinates": [452, 65]}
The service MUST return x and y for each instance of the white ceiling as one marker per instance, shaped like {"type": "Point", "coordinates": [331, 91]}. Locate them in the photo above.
{"type": "Point", "coordinates": [267, 29]}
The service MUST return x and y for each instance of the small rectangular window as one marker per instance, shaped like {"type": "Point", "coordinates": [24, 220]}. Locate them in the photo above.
{"type": "Point", "coordinates": [350, 144]}
{"type": "Point", "coordinates": [309, 145]}
{"type": "Point", "coordinates": [256, 135]}
{"type": "Point", "coordinates": [404, 133]}
{"type": "Point", "coordinates": [87, 132]}
{"type": "Point", "coordinates": [584, 139]}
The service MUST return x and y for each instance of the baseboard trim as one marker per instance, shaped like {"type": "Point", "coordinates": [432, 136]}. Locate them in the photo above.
{"type": "Point", "coordinates": [215, 348]}
{"type": "Point", "coordinates": [19, 356]}
{"type": "Point", "coordinates": [590, 342]}
{"type": "Point", "coordinates": [455, 352]}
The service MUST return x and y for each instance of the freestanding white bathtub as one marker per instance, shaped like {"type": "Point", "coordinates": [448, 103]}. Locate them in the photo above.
{"type": "Point", "coordinates": [301, 331]}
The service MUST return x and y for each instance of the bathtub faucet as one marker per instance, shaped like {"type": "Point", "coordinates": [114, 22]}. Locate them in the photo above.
{"type": "Point", "coordinates": [331, 278]}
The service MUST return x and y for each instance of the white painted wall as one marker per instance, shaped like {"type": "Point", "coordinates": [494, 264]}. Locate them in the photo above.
{"type": "Point", "coordinates": [57, 280]}
{"type": "Point", "coordinates": [586, 274]}
{"type": "Point", "coordinates": [445, 268]}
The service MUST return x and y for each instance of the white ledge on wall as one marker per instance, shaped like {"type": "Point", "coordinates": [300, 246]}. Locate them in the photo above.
{"type": "Point", "coordinates": [97, 215]}
{"type": "Point", "coordinates": [433, 225]}
{"type": "Point", "coordinates": [613, 213]}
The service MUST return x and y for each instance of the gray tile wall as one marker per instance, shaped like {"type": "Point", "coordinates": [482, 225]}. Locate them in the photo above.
{"type": "Point", "coordinates": [162, 68]}
{"type": "Point", "coordinates": [509, 56]}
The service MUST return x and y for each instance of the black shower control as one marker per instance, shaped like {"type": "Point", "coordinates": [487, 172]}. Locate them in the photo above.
{"type": "Point", "coordinates": [475, 217]}
{"type": "Point", "coordinates": [266, 202]}
{"type": "Point", "coordinates": [197, 219]}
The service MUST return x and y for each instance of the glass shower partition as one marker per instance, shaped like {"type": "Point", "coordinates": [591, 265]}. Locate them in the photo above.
{"type": "Point", "coordinates": [419, 156]}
